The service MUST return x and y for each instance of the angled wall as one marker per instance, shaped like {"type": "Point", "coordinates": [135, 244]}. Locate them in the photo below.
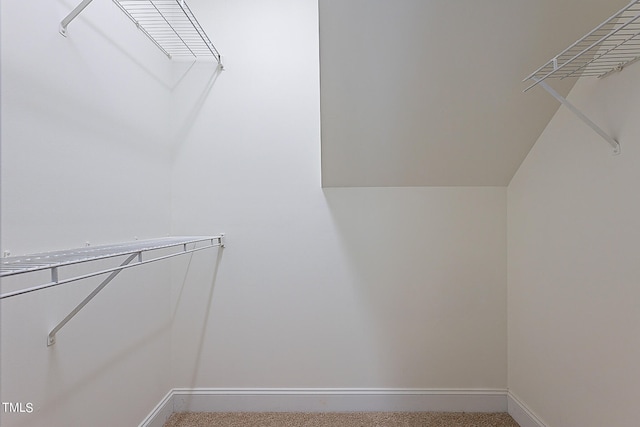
{"type": "Point", "coordinates": [574, 228]}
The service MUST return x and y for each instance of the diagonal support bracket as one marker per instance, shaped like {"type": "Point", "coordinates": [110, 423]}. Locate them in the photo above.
{"type": "Point", "coordinates": [51, 339]}
{"type": "Point", "coordinates": [581, 116]}
{"type": "Point", "coordinates": [71, 16]}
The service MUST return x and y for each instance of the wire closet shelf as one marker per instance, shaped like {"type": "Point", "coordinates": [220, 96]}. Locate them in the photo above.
{"type": "Point", "coordinates": [608, 48]}
{"type": "Point", "coordinates": [140, 250]}
{"type": "Point", "coordinates": [169, 24]}
{"type": "Point", "coordinates": [135, 253]}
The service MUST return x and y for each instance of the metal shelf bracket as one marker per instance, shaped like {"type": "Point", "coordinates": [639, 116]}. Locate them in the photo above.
{"type": "Point", "coordinates": [134, 251]}
{"type": "Point", "coordinates": [615, 144]}
{"type": "Point", "coordinates": [71, 16]}
{"type": "Point", "coordinates": [51, 339]}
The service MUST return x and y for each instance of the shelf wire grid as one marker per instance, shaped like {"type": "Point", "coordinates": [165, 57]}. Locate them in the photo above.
{"type": "Point", "coordinates": [171, 26]}
{"type": "Point", "coordinates": [609, 47]}
{"type": "Point", "coordinates": [43, 261]}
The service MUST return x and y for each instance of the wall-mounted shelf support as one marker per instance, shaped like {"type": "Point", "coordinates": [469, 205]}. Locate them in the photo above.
{"type": "Point", "coordinates": [581, 116]}
{"type": "Point", "coordinates": [169, 24]}
{"type": "Point", "coordinates": [71, 16]}
{"type": "Point", "coordinates": [134, 252]}
{"type": "Point", "coordinates": [51, 339]}
{"type": "Point", "coordinates": [608, 48]}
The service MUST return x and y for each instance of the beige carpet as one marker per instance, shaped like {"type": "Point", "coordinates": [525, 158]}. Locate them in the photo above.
{"type": "Point", "coordinates": [356, 419]}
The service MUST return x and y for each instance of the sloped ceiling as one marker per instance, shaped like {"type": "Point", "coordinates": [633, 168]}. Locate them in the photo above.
{"type": "Point", "coordinates": [429, 92]}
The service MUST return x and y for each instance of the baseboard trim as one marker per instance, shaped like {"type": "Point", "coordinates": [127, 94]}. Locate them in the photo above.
{"type": "Point", "coordinates": [161, 413]}
{"type": "Point", "coordinates": [341, 400]}
{"type": "Point", "coordinates": [325, 400]}
{"type": "Point", "coordinates": [520, 412]}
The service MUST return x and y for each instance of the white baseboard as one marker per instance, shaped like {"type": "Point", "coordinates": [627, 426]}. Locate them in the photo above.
{"type": "Point", "coordinates": [521, 413]}
{"type": "Point", "coordinates": [161, 413]}
{"type": "Point", "coordinates": [326, 400]}
{"type": "Point", "coordinates": [338, 400]}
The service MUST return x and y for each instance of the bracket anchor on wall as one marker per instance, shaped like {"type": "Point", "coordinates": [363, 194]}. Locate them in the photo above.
{"type": "Point", "coordinates": [615, 144]}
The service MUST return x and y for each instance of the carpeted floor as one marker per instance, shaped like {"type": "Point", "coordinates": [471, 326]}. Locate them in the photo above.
{"type": "Point", "coordinates": [356, 419]}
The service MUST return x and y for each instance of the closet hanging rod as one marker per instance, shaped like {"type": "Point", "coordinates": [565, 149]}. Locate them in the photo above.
{"type": "Point", "coordinates": [54, 261]}
{"type": "Point", "coordinates": [169, 24]}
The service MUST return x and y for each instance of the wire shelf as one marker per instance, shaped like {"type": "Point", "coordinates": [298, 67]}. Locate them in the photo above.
{"type": "Point", "coordinates": [171, 26]}
{"type": "Point", "coordinates": [53, 261]}
{"type": "Point", "coordinates": [134, 251]}
{"type": "Point", "coordinates": [610, 47]}
{"type": "Point", "coordinates": [42, 261]}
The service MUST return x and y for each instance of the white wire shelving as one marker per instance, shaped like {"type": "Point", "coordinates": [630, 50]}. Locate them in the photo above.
{"type": "Point", "coordinates": [135, 253]}
{"type": "Point", "coordinates": [169, 24]}
{"type": "Point", "coordinates": [608, 48]}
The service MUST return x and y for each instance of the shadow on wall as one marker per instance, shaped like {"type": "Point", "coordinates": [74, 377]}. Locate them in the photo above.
{"type": "Point", "coordinates": [124, 45]}
{"type": "Point", "coordinates": [429, 273]}
{"type": "Point", "coordinates": [204, 317]}
{"type": "Point", "coordinates": [120, 43]}
{"type": "Point", "coordinates": [187, 123]}
{"type": "Point", "coordinates": [57, 376]}
{"type": "Point", "coordinates": [95, 358]}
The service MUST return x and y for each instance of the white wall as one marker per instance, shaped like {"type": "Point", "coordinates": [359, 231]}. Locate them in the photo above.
{"type": "Point", "coordinates": [371, 287]}
{"type": "Point", "coordinates": [85, 157]}
{"type": "Point", "coordinates": [574, 265]}
{"type": "Point", "coordinates": [336, 288]}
